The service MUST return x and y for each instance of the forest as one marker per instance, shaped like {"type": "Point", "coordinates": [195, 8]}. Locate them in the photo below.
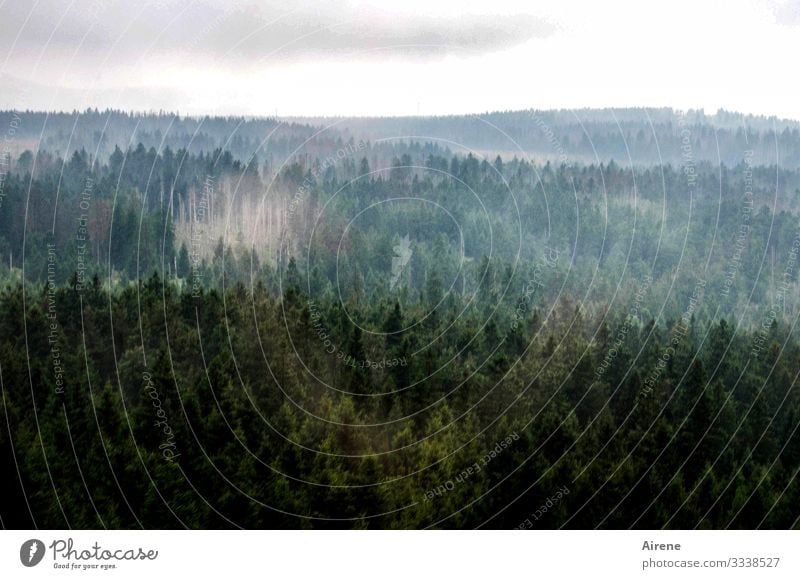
{"type": "Point", "coordinates": [325, 323]}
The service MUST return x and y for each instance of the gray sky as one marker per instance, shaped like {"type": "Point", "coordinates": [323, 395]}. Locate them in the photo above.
{"type": "Point", "coordinates": [409, 57]}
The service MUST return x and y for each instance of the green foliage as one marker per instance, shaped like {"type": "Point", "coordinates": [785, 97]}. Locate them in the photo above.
{"type": "Point", "coordinates": [379, 362]}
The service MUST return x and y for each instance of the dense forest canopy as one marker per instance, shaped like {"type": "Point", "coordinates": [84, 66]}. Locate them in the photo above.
{"type": "Point", "coordinates": [528, 319]}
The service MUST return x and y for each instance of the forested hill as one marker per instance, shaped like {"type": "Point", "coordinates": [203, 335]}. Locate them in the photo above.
{"type": "Point", "coordinates": [629, 135]}
{"type": "Point", "coordinates": [100, 132]}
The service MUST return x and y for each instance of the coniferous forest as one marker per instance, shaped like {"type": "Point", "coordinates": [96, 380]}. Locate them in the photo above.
{"type": "Point", "coordinates": [522, 320]}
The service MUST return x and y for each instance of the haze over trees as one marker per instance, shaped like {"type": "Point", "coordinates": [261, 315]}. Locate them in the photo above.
{"type": "Point", "coordinates": [400, 323]}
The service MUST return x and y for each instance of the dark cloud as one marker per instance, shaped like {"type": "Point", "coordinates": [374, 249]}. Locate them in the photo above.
{"type": "Point", "coordinates": [247, 32]}
{"type": "Point", "coordinates": [371, 33]}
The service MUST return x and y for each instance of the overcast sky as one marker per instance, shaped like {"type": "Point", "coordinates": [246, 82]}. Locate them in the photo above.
{"type": "Point", "coordinates": [297, 57]}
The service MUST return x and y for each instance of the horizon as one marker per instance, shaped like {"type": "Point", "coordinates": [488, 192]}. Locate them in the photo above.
{"type": "Point", "coordinates": [308, 117]}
